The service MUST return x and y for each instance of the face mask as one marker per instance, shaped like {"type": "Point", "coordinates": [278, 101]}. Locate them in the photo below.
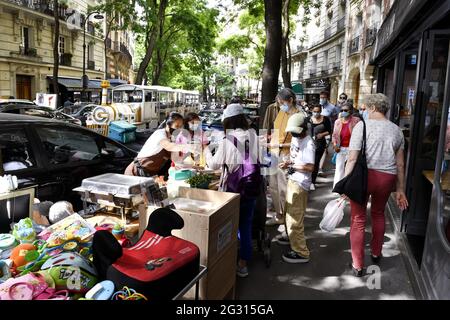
{"type": "Point", "coordinates": [284, 108]}
{"type": "Point", "coordinates": [193, 126]}
{"type": "Point", "coordinates": [323, 101]}
{"type": "Point", "coordinates": [172, 130]}
{"type": "Point", "coordinates": [365, 114]}
{"type": "Point", "coordinates": [316, 114]}
{"type": "Point", "coordinates": [345, 114]}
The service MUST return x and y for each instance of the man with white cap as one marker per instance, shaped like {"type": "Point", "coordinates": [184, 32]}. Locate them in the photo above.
{"type": "Point", "coordinates": [300, 168]}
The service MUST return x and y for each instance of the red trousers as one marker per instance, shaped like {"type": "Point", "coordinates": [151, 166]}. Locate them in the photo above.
{"type": "Point", "coordinates": [380, 186]}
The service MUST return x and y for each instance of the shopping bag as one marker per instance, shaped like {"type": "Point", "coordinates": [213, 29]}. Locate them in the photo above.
{"type": "Point", "coordinates": [333, 159]}
{"type": "Point", "coordinates": [332, 215]}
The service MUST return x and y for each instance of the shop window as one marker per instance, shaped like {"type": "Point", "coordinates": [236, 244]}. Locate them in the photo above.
{"type": "Point", "coordinates": [63, 146]}
{"type": "Point", "coordinates": [15, 150]}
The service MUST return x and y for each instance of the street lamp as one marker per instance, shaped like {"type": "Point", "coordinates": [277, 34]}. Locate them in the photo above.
{"type": "Point", "coordinates": [85, 78]}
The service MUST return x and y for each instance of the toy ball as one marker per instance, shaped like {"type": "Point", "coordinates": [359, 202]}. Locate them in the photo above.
{"type": "Point", "coordinates": [18, 255]}
{"type": "Point", "coordinates": [59, 211]}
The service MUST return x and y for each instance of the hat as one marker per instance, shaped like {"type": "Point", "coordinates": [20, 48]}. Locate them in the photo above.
{"type": "Point", "coordinates": [232, 110]}
{"type": "Point", "coordinates": [295, 123]}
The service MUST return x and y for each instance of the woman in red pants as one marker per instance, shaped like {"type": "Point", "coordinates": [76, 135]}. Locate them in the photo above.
{"type": "Point", "coordinates": [385, 161]}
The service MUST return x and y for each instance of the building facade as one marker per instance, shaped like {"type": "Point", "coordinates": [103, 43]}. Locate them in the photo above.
{"type": "Point", "coordinates": [319, 52]}
{"type": "Point", "coordinates": [26, 54]}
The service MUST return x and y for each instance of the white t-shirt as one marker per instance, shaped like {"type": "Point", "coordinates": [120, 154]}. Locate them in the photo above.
{"type": "Point", "coordinates": [302, 152]}
{"type": "Point", "coordinates": [383, 140]}
{"type": "Point", "coordinates": [152, 145]}
{"type": "Point", "coordinates": [227, 153]}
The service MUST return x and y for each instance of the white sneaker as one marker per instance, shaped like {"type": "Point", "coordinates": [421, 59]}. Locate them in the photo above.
{"type": "Point", "coordinates": [312, 187]}
{"type": "Point", "coordinates": [274, 221]}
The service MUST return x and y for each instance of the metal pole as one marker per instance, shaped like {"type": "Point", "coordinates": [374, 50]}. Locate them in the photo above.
{"type": "Point", "coordinates": [83, 92]}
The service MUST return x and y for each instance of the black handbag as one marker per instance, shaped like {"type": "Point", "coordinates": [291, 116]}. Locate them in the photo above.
{"type": "Point", "coordinates": [354, 185]}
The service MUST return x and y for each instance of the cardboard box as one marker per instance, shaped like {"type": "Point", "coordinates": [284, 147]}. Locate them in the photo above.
{"type": "Point", "coordinates": [215, 233]}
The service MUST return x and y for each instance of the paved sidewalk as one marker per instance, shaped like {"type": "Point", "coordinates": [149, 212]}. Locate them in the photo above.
{"type": "Point", "coordinates": [327, 275]}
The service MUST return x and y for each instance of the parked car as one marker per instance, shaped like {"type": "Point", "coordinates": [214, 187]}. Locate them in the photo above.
{"type": "Point", "coordinates": [80, 111]}
{"type": "Point", "coordinates": [55, 156]}
{"type": "Point", "coordinates": [32, 109]}
{"type": "Point", "coordinates": [211, 119]}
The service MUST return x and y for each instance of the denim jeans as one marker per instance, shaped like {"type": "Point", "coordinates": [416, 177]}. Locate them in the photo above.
{"type": "Point", "coordinates": [247, 208]}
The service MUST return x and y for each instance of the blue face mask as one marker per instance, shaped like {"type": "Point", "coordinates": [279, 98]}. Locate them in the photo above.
{"type": "Point", "coordinates": [365, 115]}
{"type": "Point", "coordinates": [284, 107]}
{"type": "Point", "coordinates": [345, 114]}
{"type": "Point", "coordinates": [323, 102]}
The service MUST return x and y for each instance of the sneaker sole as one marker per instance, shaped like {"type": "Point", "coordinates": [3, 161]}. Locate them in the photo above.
{"type": "Point", "coordinates": [242, 275]}
{"type": "Point", "coordinates": [283, 243]}
{"type": "Point", "coordinates": [289, 260]}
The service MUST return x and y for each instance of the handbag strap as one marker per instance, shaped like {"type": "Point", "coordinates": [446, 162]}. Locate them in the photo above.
{"type": "Point", "coordinates": [364, 139]}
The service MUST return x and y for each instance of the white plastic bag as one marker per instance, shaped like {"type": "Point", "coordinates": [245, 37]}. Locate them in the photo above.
{"type": "Point", "coordinates": [332, 215]}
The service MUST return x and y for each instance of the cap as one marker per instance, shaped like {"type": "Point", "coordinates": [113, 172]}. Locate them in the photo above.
{"type": "Point", "coordinates": [295, 123]}
{"type": "Point", "coordinates": [232, 110]}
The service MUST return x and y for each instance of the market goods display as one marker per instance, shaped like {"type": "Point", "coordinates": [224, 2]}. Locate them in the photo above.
{"type": "Point", "coordinates": [200, 180]}
{"type": "Point", "coordinates": [159, 265]}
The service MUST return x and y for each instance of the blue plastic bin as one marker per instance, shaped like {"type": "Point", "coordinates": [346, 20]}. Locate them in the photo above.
{"type": "Point", "coordinates": [122, 131]}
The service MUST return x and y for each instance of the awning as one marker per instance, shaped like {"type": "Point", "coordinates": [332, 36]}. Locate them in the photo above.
{"type": "Point", "coordinates": [297, 88]}
{"type": "Point", "coordinates": [402, 13]}
{"type": "Point", "coordinates": [313, 90]}
{"type": "Point", "coordinates": [73, 84]}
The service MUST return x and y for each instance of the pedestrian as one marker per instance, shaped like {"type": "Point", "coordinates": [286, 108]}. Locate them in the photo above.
{"type": "Point", "coordinates": [341, 139]}
{"type": "Point", "coordinates": [194, 134]}
{"type": "Point", "coordinates": [280, 143]}
{"type": "Point", "coordinates": [229, 158]}
{"type": "Point", "coordinates": [342, 99]}
{"type": "Point", "coordinates": [386, 172]}
{"type": "Point", "coordinates": [321, 128]}
{"type": "Point", "coordinates": [154, 157]}
{"type": "Point", "coordinates": [300, 166]}
{"type": "Point", "coordinates": [328, 109]}
{"type": "Point", "coordinates": [363, 113]}
{"type": "Point", "coordinates": [270, 116]}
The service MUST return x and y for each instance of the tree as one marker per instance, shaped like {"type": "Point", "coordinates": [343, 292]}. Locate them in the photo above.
{"type": "Point", "coordinates": [56, 51]}
{"type": "Point", "coordinates": [152, 21]}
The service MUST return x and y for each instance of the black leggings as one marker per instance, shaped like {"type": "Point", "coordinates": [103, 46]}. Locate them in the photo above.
{"type": "Point", "coordinates": [320, 149]}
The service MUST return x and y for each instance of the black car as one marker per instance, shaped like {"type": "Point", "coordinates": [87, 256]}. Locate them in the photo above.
{"type": "Point", "coordinates": [56, 156]}
{"type": "Point", "coordinates": [31, 109]}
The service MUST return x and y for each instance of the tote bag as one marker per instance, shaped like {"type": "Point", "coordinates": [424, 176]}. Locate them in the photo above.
{"type": "Point", "coordinates": [354, 185]}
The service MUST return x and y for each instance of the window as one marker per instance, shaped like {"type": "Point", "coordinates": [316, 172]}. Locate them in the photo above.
{"type": "Point", "coordinates": [338, 55]}
{"type": "Point", "coordinates": [325, 60]}
{"type": "Point", "coordinates": [313, 64]}
{"type": "Point", "coordinates": [64, 145]}
{"type": "Point", "coordinates": [15, 150]}
{"type": "Point", "coordinates": [116, 150]}
{"type": "Point", "coordinates": [26, 39]}
{"type": "Point", "coordinates": [90, 52]}
{"type": "Point", "coordinates": [62, 45]}
{"type": "Point", "coordinates": [148, 96]}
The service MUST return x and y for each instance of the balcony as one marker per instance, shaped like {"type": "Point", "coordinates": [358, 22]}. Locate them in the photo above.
{"type": "Point", "coordinates": [334, 68]}
{"type": "Point", "coordinates": [312, 72]}
{"type": "Point", "coordinates": [354, 45]}
{"type": "Point", "coordinates": [65, 59]}
{"type": "Point", "coordinates": [91, 65]}
{"type": "Point", "coordinates": [327, 34]}
{"type": "Point", "coordinates": [42, 6]}
{"type": "Point", "coordinates": [371, 35]}
{"type": "Point", "coordinates": [90, 28]}
{"type": "Point", "coordinates": [124, 50]}
{"type": "Point", "coordinates": [341, 24]}
{"type": "Point", "coordinates": [29, 52]}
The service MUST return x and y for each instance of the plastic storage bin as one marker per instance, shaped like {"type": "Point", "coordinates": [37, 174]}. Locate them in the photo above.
{"type": "Point", "coordinates": [122, 131]}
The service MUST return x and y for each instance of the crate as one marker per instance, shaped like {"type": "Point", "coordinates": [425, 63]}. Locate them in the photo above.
{"type": "Point", "coordinates": [122, 131]}
{"type": "Point", "coordinates": [215, 233]}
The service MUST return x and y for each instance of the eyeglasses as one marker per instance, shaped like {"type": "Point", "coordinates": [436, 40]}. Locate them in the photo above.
{"type": "Point", "coordinates": [343, 98]}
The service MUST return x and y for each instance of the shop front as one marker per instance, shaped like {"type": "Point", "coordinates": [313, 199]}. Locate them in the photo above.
{"type": "Point", "coordinates": [412, 55]}
{"type": "Point", "coordinates": [313, 88]}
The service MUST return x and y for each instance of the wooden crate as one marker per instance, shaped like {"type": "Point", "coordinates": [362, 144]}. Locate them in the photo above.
{"type": "Point", "coordinates": [215, 233]}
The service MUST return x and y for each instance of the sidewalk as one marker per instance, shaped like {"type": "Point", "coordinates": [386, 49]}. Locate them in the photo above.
{"type": "Point", "coordinates": [327, 275]}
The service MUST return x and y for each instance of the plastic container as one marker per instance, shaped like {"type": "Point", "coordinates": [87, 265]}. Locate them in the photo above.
{"type": "Point", "coordinates": [122, 131]}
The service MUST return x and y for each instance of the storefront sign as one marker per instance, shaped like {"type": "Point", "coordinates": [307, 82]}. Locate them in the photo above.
{"type": "Point", "coordinates": [46, 100]}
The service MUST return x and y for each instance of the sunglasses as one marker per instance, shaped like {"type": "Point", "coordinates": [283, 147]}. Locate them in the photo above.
{"type": "Point", "coordinates": [345, 110]}
{"type": "Point", "coordinates": [343, 98]}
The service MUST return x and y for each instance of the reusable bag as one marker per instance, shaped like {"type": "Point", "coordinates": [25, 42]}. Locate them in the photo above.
{"type": "Point", "coordinates": [332, 215]}
{"type": "Point", "coordinates": [333, 159]}
{"type": "Point", "coordinates": [354, 185]}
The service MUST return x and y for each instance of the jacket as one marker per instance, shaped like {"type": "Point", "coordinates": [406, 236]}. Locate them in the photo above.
{"type": "Point", "coordinates": [336, 138]}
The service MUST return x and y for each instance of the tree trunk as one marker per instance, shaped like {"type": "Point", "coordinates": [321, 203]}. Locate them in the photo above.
{"type": "Point", "coordinates": [56, 52]}
{"type": "Point", "coordinates": [285, 47]}
{"type": "Point", "coordinates": [272, 54]}
{"type": "Point", "coordinates": [151, 41]}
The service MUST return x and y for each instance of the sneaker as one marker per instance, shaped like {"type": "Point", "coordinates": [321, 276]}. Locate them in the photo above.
{"type": "Point", "coordinates": [375, 259]}
{"type": "Point", "coordinates": [356, 272]}
{"type": "Point", "coordinates": [294, 257]}
{"type": "Point", "coordinates": [321, 173]}
{"type": "Point", "coordinates": [242, 272]}
{"type": "Point", "coordinates": [283, 240]}
{"type": "Point", "coordinates": [312, 187]}
{"type": "Point", "coordinates": [274, 221]}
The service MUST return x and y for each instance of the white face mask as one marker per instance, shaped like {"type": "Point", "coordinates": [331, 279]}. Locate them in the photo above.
{"type": "Point", "coordinates": [193, 126]}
